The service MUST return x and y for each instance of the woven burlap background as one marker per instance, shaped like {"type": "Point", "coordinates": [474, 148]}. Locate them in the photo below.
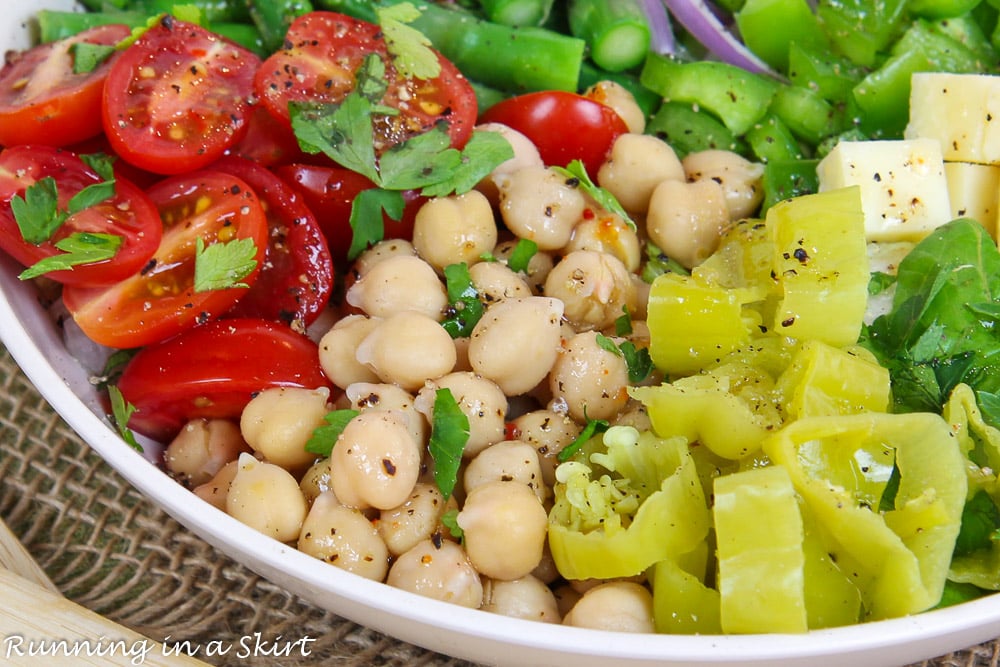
{"type": "Point", "coordinates": [109, 549]}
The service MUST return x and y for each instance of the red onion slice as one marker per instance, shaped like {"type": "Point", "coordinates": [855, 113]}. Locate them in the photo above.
{"type": "Point", "coordinates": [698, 19]}
{"type": "Point", "coordinates": [661, 33]}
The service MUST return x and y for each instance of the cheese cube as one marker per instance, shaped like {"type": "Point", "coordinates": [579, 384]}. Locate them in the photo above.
{"type": "Point", "coordinates": [974, 192]}
{"type": "Point", "coordinates": [904, 194]}
{"type": "Point", "coordinates": [962, 111]}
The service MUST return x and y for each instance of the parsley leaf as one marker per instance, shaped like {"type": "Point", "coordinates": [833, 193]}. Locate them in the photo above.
{"type": "Point", "coordinates": [464, 308]}
{"type": "Point", "coordinates": [521, 255]}
{"type": "Point", "coordinates": [223, 265]}
{"type": "Point", "coordinates": [593, 427]}
{"type": "Point", "coordinates": [37, 213]}
{"type": "Point", "coordinates": [121, 412]}
{"type": "Point", "coordinates": [78, 248]}
{"type": "Point", "coordinates": [449, 434]}
{"type": "Point", "coordinates": [101, 163]}
{"type": "Point", "coordinates": [623, 325]}
{"type": "Point", "coordinates": [323, 438]}
{"type": "Point", "coordinates": [367, 226]}
{"type": "Point", "coordinates": [87, 57]}
{"type": "Point", "coordinates": [450, 521]}
{"type": "Point", "coordinates": [343, 132]}
{"type": "Point", "coordinates": [577, 171]}
{"type": "Point", "coordinates": [413, 56]}
{"type": "Point", "coordinates": [426, 158]}
{"type": "Point", "coordinates": [481, 155]}
{"type": "Point", "coordinates": [637, 359]}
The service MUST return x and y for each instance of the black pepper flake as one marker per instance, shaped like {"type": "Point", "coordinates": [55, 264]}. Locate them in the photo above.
{"type": "Point", "coordinates": [788, 322]}
{"type": "Point", "coordinates": [389, 467]}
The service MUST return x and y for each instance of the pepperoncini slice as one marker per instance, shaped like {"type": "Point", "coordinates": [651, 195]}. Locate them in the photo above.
{"type": "Point", "coordinates": [761, 561]}
{"type": "Point", "coordinates": [977, 557]}
{"type": "Point", "coordinates": [826, 380]}
{"type": "Point", "coordinates": [682, 603]}
{"type": "Point", "coordinates": [627, 507]}
{"type": "Point", "coordinates": [841, 467]}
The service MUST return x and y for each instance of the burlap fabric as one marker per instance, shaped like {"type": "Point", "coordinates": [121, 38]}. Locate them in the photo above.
{"type": "Point", "coordinates": [109, 549]}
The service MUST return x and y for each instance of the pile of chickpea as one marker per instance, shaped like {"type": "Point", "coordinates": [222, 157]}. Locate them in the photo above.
{"type": "Point", "coordinates": [528, 378]}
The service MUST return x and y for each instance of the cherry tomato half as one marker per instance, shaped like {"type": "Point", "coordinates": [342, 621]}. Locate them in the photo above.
{"type": "Point", "coordinates": [160, 300]}
{"type": "Point", "coordinates": [128, 214]}
{"type": "Point", "coordinates": [323, 51]}
{"type": "Point", "coordinates": [329, 192]}
{"type": "Point", "coordinates": [178, 98]}
{"type": "Point", "coordinates": [563, 126]}
{"type": "Point", "coordinates": [295, 283]}
{"type": "Point", "coordinates": [212, 371]}
{"type": "Point", "coordinates": [42, 100]}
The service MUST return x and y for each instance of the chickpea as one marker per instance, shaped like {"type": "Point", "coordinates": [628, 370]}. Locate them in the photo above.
{"type": "Point", "coordinates": [525, 154]}
{"type": "Point", "coordinates": [621, 99]}
{"type": "Point", "coordinates": [379, 251]}
{"type": "Point", "coordinates": [201, 448]}
{"type": "Point", "coordinates": [266, 497]}
{"type": "Point", "coordinates": [375, 396]}
{"type": "Point", "coordinates": [375, 461]}
{"type": "Point", "coordinates": [590, 380]}
{"type": "Point", "coordinates": [215, 490]}
{"type": "Point", "coordinates": [740, 178]}
{"type": "Point", "coordinates": [343, 537]}
{"type": "Point", "coordinates": [538, 266]}
{"type": "Point", "coordinates": [337, 350]}
{"type": "Point", "coordinates": [594, 288]}
{"type": "Point", "coordinates": [548, 432]}
{"type": "Point", "coordinates": [504, 527]}
{"type": "Point", "coordinates": [438, 569]}
{"type": "Point", "coordinates": [279, 421]}
{"type": "Point", "coordinates": [316, 480]}
{"type": "Point", "coordinates": [686, 220]}
{"type": "Point", "coordinates": [399, 283]}
{"type": "Point", "coordinates": [617, 606]}
{"type": "Point", "coordinates": [507, 461]}
{"type": "Point", "coordinates": [408, 348]}
{"type": "Point", "coordinates": [516, 342]}
{"type": "Point", "coordinates": [479, 399]}
{"type": "Point", "coordinates": [566, 599]}
{"type": "Point", "coordinates": [527, 598]}
{"type": "Point", "coordinates": [542, 205]}
{"type": "Point", "coordinates": [637, 164]}
{"type": "Point", "coordinates": [451, 230]}
{"type": "Point", "coordinates": [608, 233]}
{"type": "Point", "coordinates": [495, 281]}
{"type": "Point", "coordinates": [416, 519]}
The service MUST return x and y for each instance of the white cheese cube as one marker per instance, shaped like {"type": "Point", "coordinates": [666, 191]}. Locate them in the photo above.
{"type": "Point", "coordinates": [974, 192]}
{"type": "Point", "coordinates": [962, 111]}
{"type": "Point", "coordinates": [904, 194]}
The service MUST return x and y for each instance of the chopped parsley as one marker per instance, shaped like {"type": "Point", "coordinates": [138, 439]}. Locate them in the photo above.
{"type": "Point", "coordinates": [593, 427]}
{"type": "Point", "coordinates": [87, 57]}
{"type": "Point", "coordinates": [77, 248]}
{"type": "Point", "coordinates": [576, 171]}
{"type": "Point", "coordinates": [427, 162]}
{"type": "Point", "coordinates": [449, 435]}
{"type": "Point", "coordinates": [223, 265]}
{"type": "Point", "coordinates": [413, 56]}
{"type": "Point", "coordinates": [121, 412]}
{"type": "Point", "coordinates": [464, 309]}
{"type": "Point", "coordinates": [521, 256]}
{"type": "Point", "coordinates": [324, 437]}
{"type": "Point", "coordinates": [450, 521]}
{"type": "Point", "coordinates": [637, 359]}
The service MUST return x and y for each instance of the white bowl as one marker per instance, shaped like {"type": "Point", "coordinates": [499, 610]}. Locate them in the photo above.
{"type": "Point", "coordinates": [36, 344]}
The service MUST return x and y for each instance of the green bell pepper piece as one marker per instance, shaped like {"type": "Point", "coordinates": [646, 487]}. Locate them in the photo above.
{"type": "Point", "coordinates": [772, 140]}
{"type": "Point", "coordinates": [688, 129]}
{"type": "Point", "coordinates": [757, 20]}
{"type": "Point", "coordinates": [784, 179]}
{"type": "Point", "coordinates": [861, 29]}
{"type": "Point", "coordinates": [832, 76]}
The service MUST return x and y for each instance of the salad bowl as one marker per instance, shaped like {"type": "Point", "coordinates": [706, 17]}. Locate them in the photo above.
{"type": "Point", "coordinates": [33, 337]}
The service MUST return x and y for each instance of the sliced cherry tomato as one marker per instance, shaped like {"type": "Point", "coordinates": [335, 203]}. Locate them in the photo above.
{"type": "Point", "coordinates": [295, 283]}
{"type": "Point", "coordinates": [178, 98]}
{"type": "Point", "coordinates": [42, 100]}
{"type": "Point", "coordinates": [329, 191]}
{"type": "Point", "coordinates": [564, 126]}
{"type": "Point", "coordinates": [128, 214]}
{"type": "Point", "coordinates": [268, 141]}
{"type": "Point", "coordinates": [324, 49]}
{"type": "Point", "coordinates": [160, 301]}
{"type": "Point", "coordinates": [213, 371]}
